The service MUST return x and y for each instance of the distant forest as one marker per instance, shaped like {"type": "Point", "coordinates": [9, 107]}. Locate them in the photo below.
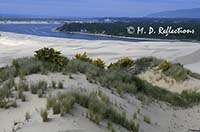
{"type": "Point", "coordinates": [119, 28]}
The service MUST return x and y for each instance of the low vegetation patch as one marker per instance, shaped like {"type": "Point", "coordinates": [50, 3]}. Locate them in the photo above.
{"type": "Point", "coordinates": [99, 108]}
{"type": "Point", "coordinates": [176, 71]}
{"type": "Point", "coordinates": [61, 104]}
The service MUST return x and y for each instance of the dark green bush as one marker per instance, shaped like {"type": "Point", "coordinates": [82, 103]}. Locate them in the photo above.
{"type": "Point", "coordinates": [99, 63]}
{"type": "Point", "coordinates": [50, 55]}
{"type": "Point", "coordinates": [122, 63]}
{"type": "Point", "coordinates": [83, 57]}
{"type": "Point", "coordinates": [165, 65]}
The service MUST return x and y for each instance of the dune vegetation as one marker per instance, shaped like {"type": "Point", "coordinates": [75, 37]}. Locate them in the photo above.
{"type": "Point", "coordinates": [120, 77]}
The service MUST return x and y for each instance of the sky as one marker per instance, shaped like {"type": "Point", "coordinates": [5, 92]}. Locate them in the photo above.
{"type": "Point", "coordinates": [93, 8]}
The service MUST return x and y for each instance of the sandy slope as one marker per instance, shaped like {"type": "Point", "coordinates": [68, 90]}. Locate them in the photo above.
{"type": "Point", "coordinates": [16, 45]}
{"type": "Point", "coordinates": [163, 118]}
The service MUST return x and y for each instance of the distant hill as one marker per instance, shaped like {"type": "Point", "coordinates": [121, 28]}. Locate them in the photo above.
{"type": "Point", "coordinates": [183, 13]}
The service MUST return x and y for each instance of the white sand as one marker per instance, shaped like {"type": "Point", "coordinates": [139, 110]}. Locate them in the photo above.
{"type": "Point", "coordinates": [163, 118]}
{"type": "Point", "coordinates": [16, 45]}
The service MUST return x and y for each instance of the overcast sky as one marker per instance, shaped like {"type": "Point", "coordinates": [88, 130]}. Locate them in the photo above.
{"type": "Point", "coordinates": [93, 8]}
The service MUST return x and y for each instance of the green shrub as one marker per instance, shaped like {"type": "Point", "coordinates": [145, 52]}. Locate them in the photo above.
{"type": "Point", "coordinates": [50, 55]}
{"type": "Point", "coordinates": [122, 63]}
{"type": "Point", "coordinates": [44, 115]}
{"type": "Point", "coordinates": [165, 65]}
{"type": "Point", "coordinates": [83, 57]}
{"type": "Point", "coordinates": [99, 63]}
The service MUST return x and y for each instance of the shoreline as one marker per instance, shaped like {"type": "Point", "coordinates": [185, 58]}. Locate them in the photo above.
{"type": "Point", "coordinates": [30, 22]}
{"type": "Point", "coordinates": [130, 38]}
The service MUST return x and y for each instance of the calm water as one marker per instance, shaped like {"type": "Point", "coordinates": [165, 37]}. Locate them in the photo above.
{"type": "Point", "coordinates": [47, 30]}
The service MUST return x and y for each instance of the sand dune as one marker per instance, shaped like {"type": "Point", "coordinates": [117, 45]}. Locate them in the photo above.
{"type": "Point", "coordinates": [163, 117]}
{"type": "Point", "coordinates": [16, 45]}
